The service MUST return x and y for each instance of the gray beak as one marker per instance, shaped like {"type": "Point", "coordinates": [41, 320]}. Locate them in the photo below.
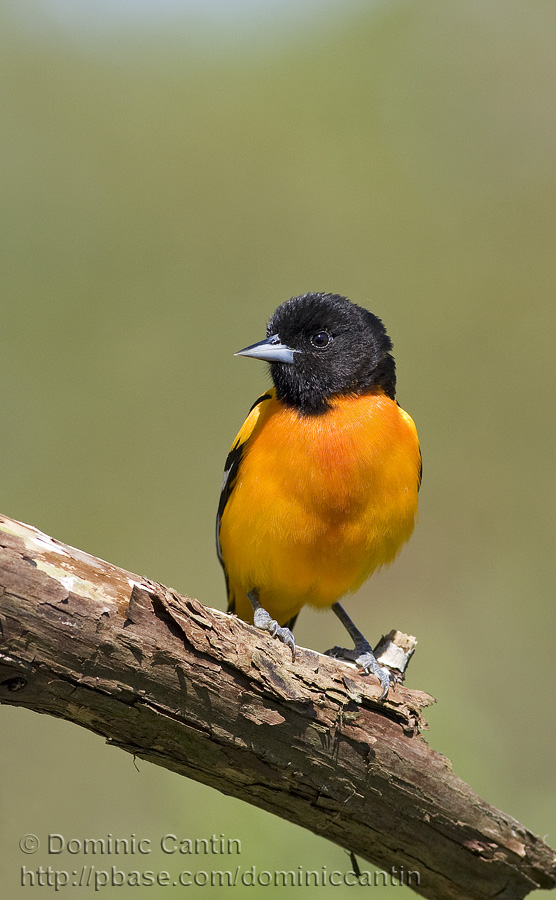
{"type": "Point", "coordinates": [270, 350]}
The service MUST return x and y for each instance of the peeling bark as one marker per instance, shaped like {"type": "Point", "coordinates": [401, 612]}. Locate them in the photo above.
{"type": "Point", "coordinates": [205, 695]}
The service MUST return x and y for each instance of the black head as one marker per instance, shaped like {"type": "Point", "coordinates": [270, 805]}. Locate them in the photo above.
{"type": "Point", "coordinates": [320, 346]}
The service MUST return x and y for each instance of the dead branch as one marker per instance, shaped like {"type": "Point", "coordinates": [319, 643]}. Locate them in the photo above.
{"type": "Point", "coordinates": [207, 696]}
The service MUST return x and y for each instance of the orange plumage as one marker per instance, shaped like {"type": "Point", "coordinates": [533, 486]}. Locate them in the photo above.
{"type": "Point", "coordinates": [318, 503]}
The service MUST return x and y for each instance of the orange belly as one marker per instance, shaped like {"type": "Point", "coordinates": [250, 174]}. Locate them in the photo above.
{"type": "Point", "coordinates": [319, 503]}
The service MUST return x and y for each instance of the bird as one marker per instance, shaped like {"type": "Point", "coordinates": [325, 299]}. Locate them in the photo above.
{"type": "Point", "coordinates": [321, 483]}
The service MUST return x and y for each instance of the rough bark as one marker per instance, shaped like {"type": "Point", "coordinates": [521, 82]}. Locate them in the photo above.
{"type": "Point", "coordinates": [207, 696]}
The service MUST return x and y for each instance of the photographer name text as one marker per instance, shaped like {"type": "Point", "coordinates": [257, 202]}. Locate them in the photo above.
{"type": "Point", "coordinates": [110, 845]}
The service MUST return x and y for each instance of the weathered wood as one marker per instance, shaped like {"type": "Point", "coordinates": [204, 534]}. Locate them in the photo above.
{"type": "Point", "coordinates": [205, 695]}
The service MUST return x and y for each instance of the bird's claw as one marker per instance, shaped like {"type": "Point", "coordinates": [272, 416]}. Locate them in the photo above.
{"type": "Point", "coordinates": [263, 620]}
{"type": "Point", "coordinates": [364, 657]}
{"type": "Point", "coordinates": [367, 662]}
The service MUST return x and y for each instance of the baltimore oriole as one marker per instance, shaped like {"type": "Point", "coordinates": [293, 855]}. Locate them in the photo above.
{"type": "Point", "coordinates": [320, 485]}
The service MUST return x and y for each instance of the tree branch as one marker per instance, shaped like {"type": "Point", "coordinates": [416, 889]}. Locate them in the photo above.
{"type": "Point", "coordinates": [205, 695]}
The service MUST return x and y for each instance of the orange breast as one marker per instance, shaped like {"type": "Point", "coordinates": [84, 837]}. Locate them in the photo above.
{"type": "Point", "coordinates": [319, 502]}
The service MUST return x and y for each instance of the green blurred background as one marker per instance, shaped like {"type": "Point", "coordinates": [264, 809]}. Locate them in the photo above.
{"type": "Point", "coordinates": [168, 177]}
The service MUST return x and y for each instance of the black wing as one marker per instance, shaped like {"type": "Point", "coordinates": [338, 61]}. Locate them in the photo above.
{"type": "Point", "coordinates": [231, 469]}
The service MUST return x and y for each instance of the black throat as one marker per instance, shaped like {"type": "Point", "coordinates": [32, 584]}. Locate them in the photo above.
{"type": "Point", "coordinates": [311, 397]}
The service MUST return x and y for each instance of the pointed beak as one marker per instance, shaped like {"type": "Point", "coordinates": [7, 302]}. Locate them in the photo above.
{"type": "Point", "coordinates": [270, 350]}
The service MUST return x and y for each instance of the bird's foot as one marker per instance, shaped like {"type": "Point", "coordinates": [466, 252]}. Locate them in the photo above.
{"type": "Point", "coordinates": [363, 656]}
{"type": "Point", "coordinates": [263, 620]}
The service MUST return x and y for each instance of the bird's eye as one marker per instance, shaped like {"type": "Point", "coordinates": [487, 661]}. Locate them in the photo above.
{"type": "Point", "coordinates": [321, 339]}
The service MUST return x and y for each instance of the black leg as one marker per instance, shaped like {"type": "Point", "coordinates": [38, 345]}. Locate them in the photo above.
{"type": "Point", "coordinates": [362, 654]}
{"type": "Point", "coordinates": [263, 621]}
